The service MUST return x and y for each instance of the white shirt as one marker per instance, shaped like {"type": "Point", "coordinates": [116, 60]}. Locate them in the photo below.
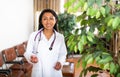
{"type": "Point", "coordinates": [47, 58]}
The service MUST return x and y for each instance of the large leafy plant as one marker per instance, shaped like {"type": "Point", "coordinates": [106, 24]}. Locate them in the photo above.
{"type": "Point", "coordinates": [66, 23]}
{"type": "Point", "coordinates": [103, 16]}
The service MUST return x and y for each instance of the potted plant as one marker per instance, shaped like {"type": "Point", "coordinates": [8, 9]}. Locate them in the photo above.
{"type": "Point", "coordinates": [100, 16]}
{"type": "Point", "coordinates": [66, 24]}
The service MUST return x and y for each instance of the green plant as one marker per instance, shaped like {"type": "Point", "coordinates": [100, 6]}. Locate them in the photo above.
{"type": "Point", "coordinates": [106, 19]}
{"type": "Point", "coordinates": [66, 23]}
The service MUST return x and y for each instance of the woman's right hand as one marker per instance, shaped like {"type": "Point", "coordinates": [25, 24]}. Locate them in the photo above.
{"type": "Point", "coordinates": [34, 59]}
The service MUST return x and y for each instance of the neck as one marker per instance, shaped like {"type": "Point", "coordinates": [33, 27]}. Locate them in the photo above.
{"type": "Point", "coordinates": [48, 33]}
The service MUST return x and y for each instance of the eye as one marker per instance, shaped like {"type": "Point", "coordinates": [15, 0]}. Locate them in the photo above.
{"type": "Point", "coordinates": [52, 18]}
{"type": "Point", "coordinates": [44, 18]}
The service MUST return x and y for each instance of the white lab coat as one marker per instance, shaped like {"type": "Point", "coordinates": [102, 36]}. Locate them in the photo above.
{"type": "Point", "coordinates": [47, 58]}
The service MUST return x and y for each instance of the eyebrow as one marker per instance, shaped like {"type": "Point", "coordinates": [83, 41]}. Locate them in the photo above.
{"type": "Point", "coordinates": [50, 16]}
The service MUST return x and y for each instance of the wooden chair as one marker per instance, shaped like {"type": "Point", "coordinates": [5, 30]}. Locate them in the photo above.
{"type": "Point", "coordinates": [10, 57]}
{"type": "Point", "coordinates": [20, 50]}
{"type": "Point", "coordinates": [25, 44]}
{"type": "Point", "coordinates": [7, 72]}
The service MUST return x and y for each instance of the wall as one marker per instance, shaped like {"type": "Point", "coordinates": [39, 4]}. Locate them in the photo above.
{"type": "Point", "coordinates": [16, 22]}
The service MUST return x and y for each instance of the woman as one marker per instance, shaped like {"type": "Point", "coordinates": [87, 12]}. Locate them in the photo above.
{"type": "Point", "coordinates": [46, 48]}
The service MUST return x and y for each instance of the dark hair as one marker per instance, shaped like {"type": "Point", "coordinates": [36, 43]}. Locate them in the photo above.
{"type": "Point", "coordinates": [53, 13]}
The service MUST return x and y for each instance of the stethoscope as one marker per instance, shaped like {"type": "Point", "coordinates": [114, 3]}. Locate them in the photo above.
{"type": "Point", "coordinates": [37, 41]}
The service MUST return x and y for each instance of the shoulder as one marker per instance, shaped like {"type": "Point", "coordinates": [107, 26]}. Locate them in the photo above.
{"type": "Point", "coordinates": [33, 33]}
{"type": "Point", "coordinates": [59, 35]}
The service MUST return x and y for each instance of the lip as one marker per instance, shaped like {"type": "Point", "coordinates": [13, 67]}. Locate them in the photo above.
{"type": "Point", "coordinates": [48, 25]}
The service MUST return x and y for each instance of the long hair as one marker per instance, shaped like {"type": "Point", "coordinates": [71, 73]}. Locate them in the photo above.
{"type": "Point", "coordinates": [41, 15]}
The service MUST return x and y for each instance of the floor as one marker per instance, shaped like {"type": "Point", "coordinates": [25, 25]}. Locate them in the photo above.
{"type": "Point", "coordinates": [78, 69]}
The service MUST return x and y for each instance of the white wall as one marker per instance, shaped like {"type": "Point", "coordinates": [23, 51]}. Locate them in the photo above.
{"type": "Point", "coordinates": [16, 22]}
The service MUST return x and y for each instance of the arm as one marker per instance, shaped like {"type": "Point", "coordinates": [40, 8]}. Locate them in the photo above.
{"type": "Point", "coordinates": [62, 55]}
{"type": "Point", "coordinates": [29, 48]}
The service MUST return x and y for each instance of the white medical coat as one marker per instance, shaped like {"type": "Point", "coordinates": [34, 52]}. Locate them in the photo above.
{"type": "Point", "coordinates": [47, 58]}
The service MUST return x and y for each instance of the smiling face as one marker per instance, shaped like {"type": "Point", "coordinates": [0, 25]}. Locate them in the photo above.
{"type": "Point", "coordinates": [48, 21]}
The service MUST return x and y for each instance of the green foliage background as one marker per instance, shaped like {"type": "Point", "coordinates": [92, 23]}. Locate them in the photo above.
{"type": "Point", "coordinates": [66, 23]}
{"type": "Point", "coordinates": [106, 19]}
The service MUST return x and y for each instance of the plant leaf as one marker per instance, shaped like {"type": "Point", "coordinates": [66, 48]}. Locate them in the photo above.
{"type": "Point", "coordinates": [106, 66]}
{"type": "Point", "coordinates": [91, 3]}
{"type": "Point", "coordinates": [83, 39]}
{"type": "Point", "coordinates": [69, 3]}
{"type": "Point", "coordinates": [89, 38]}
{"type": "Point", "coordinates": [90, 60]}
{"type": "Point", "coordinates": [84, 63]}
{"type": "Point", "coordinates": [85, 6]}
{"type": "Point", "coordinates": [110, 22]}
{"type": "Point", "coordinates": [75, 48]}
{"type": "Point", "coordinates": [80, 46]}
{"type": "Point", "coordinates": [102, 10]}
{"type": "Point", "coordinates": [99, 2]}
{"type": "Point", "coordinates": [107, 9]}
{"type": "Point", "coordinates": [112, 67]}
{"type": "Point", "coordinates": [115, 23]}
{"type": "Point", "coordinates": [98, 14]}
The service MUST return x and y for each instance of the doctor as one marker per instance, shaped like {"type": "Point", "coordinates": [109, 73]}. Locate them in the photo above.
{"type": "Point", "coordinates": [46, 48]}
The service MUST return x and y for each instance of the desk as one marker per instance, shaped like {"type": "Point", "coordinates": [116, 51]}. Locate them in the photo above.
{"type": "Point", "coordinates": [69, 68]}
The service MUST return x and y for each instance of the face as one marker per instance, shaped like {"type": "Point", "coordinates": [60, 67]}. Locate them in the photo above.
{"type": "Point", "coordinates": [48, 21]}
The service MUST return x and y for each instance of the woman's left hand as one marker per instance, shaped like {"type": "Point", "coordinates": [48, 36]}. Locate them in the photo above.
{"type": "Point", "coordinates": [58, 66]}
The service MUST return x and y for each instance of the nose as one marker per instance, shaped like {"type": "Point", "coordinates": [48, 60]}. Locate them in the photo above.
{"type": "Point", "coordinates": [48, 20]}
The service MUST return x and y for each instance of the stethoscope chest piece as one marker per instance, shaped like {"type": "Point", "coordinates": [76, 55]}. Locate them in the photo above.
{"type": "Point", "coordinates": [50, 48]}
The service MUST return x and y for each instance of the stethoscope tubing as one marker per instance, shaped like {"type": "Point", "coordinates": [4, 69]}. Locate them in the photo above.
{"type": "Point", "coordinates": [39, 33]}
